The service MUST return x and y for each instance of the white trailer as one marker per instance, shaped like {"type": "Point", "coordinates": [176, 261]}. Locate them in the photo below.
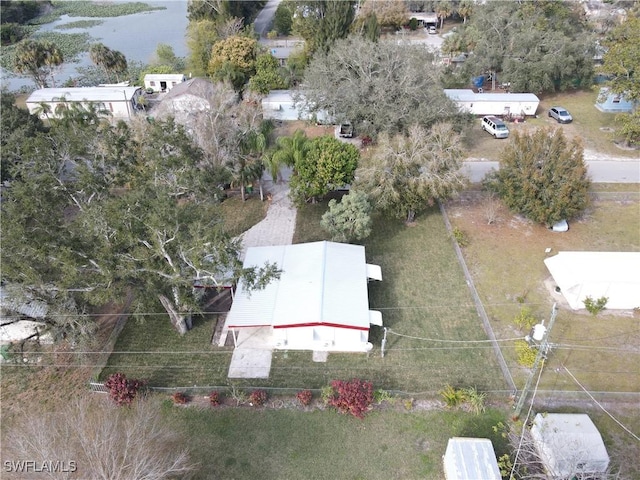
{"type": "Point", "coordinates": [516, 104]}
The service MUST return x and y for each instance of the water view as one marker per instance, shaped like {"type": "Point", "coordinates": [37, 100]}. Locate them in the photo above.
{"type": "Point", "coordinates": [136, 36]}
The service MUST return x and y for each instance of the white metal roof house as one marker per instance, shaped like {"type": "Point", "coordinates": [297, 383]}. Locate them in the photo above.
{"type": "Point", "coordinates": [615, 275]}
{"type": "Point", "coordinates": [569, 444]}
{"type": "Point", "coordinates": [14, 312]}
{"type": "Point", "coordinates": [494, 103]}
{"type": "Point", "coordinates": [120, 102]}
{"type": "Point", "coordinates": [320, 302]}
{"type": "Point", "coordinates": [163, 82]}
{"type": "Point", "coordinates": [280, 105]}
{"type": "Point", "coordinates": [470, 459]}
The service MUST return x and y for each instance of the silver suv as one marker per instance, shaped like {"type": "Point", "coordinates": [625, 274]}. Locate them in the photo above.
{"type": "Point", "coordinates": [495, 127]}
{"type": "Point", "coordinates": [560, 114]}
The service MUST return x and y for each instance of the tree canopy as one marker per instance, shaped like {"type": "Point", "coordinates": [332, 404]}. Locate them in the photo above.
{"type": "Point", "coordinates": [542, 46]}
{"type": "Point", "coordinates": [542, 176]}
{"type": "Point", "coordinates": [327, 164]}
{"type": "Point", "coordinates": [322, 22]}
{"type": "Point", "coordinates": [111, 209]}
{"type": "Point", "coordinates": [38, 60]}
{"type": "Point", "coordinates": [408, 173]}
{"type": "Point", "coordinates": [377, 86]}
{"type": "Point", "coordinates": [349, 219]}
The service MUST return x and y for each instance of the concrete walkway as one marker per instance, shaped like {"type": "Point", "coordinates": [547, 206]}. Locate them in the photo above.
{"type": "Point", "coordinates": [252, 354]}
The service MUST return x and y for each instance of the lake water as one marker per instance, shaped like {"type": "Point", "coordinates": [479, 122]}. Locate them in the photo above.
{"type": "Point", "coordinates": [136, 36]}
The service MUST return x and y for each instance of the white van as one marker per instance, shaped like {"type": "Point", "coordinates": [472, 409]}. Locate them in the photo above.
{"type": "Point", "coordinates": [495, 127]}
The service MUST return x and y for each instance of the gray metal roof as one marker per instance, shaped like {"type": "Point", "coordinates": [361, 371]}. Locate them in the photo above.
{"type": "Point", "coordinates": [470, 459]}
{"type": "Point", "coordinates": [83, 94]}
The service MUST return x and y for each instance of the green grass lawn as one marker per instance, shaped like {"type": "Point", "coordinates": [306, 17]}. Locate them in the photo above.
{"type": "Point", "coordinates": [423, 294]}
{"type": "Point", "coordinates": [506, 261]}
{"type": "Point", "coordinates": [292, 444]}
{"type": "Point", "coordinates": [590, 125]}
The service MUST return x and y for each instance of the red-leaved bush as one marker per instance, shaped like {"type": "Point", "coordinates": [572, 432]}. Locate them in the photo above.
{"type": "Point", "coordinates": [121, 389]}
{"type": "Point", "coordinates": [180, 398]}
{"type": "Point", "coordinates": [354, 397]}
{"type": "Point", "coordinates": [214, 398]}
{"type": "Point", "coordinates": [304, 397]}
{"type": "Point", "coordinates": [258, 398]}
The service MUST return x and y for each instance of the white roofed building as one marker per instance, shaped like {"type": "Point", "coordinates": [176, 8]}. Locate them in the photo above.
{"type": "Point", "coordinates": [163, 82]}
{"type": "Point", "coordinates": [470, 459]}
{"type": "Point", "coordinates": [615, 275]}
{"type": "Point", "coordinates": [120, 102]}
{"type": "Point", "coordinates": [320, 302]}
{"type": "Point", "coordinates": [569, 445]}
{"type": "Point", "coordinates": [493, 103]}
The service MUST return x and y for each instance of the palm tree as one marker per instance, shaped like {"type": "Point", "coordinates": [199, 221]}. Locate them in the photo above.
{"type": "Point", "coordinates": [52, 58]}
{"type": "Point", "coordinates": [37, 59]}
{"type": "Point", "coordinates": [112, 62]}
{"type": "Point", "coordinates": [444, 8]}
{"type": "Point", "coordinates": [288, 151]}
{"type": "Point", "coordinates": [43, 110]}
{"type": "Point", "coordinates": [253, 146]}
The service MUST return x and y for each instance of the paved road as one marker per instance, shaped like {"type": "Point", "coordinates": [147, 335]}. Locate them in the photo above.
{"type": "Point", "coordinates": [264, 20]}
{"type": "Point", "coordinates": [601, 171]}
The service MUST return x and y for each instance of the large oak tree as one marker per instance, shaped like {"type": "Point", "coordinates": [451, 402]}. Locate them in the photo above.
{"type": "Point", "coordinates": [378, 87]}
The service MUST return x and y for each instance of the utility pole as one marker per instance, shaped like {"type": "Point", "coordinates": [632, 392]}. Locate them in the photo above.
{"type": "Point", "coordinates": [543, 349]}
{"type": "Point", "coordinates": [384, 341]}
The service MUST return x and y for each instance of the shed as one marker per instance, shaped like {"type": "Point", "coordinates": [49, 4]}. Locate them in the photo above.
{"type": "Point", "coordinates": [610, 102]}
{"type": "Point", "coordinates": [494, 103]}
{"type": "Point", "coordinates": [470, 459]}
{"type": "Point", "coordinates": [320, 302]}
{"type": "Point", "coordinates": [120, 102]}
{"type": "Point", "coordinates": [615, 275]}
{"type": "Point", "coordinates": [280, 105]}
{"type": "Point", "coordinates": [163, 82]}
{"type": "Point", "coordinates": [569, 445]}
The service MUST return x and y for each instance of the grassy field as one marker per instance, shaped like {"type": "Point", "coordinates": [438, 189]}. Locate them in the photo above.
{"type": "Point", "coordinates": [423, 295]}
{"type": "Point", "coordinates": [293, 444]}
{"type": "Point", "coordinates": [590, 125]}
{"type": "Point", "coordinates": [506, 261]}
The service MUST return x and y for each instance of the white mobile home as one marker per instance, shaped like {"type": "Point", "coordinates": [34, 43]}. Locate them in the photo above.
{"type": "Point", "coordinates": [280, 105]}
{"type": "Point", "coordinates": [494, 103]}
{"type": "Point", "coordinates": [119, 102]}
{"type": "Point", "coordinates": [569, 445]}
{"type": "Point", "coordinates": [319, 303]}
{"type": "Point", "coordinates": [162, 82]}
{"type": "Point", "coordinates": [470, 459]}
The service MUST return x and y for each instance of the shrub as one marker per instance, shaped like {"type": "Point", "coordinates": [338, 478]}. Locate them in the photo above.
{"type": "Point", "coordinates": [460, 237]}
{"type": "Point", "coordinates": [526, 354]}
{"type": "Point", "coordinates": [180, 398]}
{"type": "Point", "coordinates": [453, 397]}
{"type": "Point", "coordinates": [354, 397]}
{"type": "Point", "coordinates": [380, 396]}
{"type": "Point", "coordinates": [525, 319]}
{"type": "Point", "coordinates": [594, 307]}
{"type": "Point", "coordinates": [121, 389]}
{"type": "Point", "coordinates": [327, 394]}
{"type": "Point", "coordinates": [304, 397]}
{"type": "Point", "coordinates": [258, 398]}
{"type": "Point", "coordinates": [474, 399]}
{"type": "Point", "coordinates": [214, 398]}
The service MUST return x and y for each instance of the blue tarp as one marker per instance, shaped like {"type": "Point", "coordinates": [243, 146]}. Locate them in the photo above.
{"type": "Point", "coordinates": [478, 81]}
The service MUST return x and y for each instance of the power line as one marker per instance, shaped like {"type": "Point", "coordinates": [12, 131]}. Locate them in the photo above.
{"type": "Point", "coordinates": [524, 423]}
{"type": "Point", "coordinates": [600, 405]}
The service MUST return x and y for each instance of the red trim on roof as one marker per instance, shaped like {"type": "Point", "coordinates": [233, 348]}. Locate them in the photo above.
{"type": "Point", "coordinates": [322, 324]}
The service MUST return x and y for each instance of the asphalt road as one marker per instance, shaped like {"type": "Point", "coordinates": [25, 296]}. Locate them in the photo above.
{"type": "Point", "coordinates": [601, 171]}
{"type": "Point", "coordinates": [264, 20]}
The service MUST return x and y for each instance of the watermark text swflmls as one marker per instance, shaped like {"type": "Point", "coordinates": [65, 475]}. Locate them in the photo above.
{"type": "Point", "coordinates": [48, 466]}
